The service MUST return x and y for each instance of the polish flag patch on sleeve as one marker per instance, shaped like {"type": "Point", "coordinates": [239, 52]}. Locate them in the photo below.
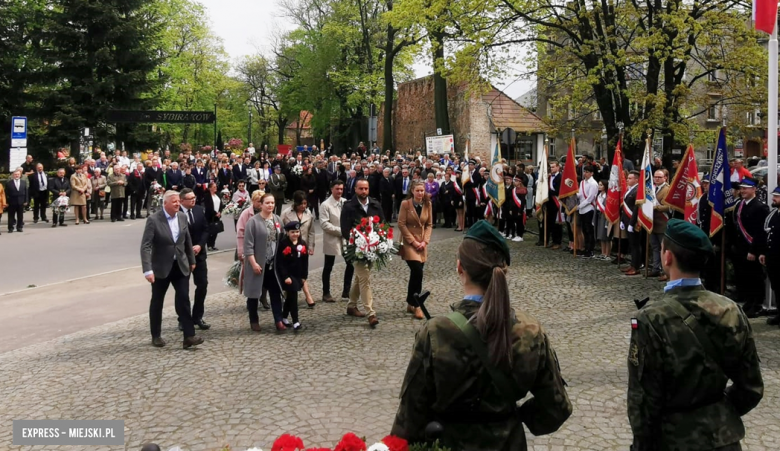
{"type": "Point", "coordinates": [634, 324]}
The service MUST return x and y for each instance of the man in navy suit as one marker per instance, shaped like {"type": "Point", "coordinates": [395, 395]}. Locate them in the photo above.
{"type": "Point", "coordinates": [225, 177]}
{"type": "Point", "coordinates": [17, 195]}
{"type": "Point", "coordinates": [174, 177]}
{"type": "Point", "coordinates": [239, 169]}
{"type": "Point", "coordinates": [349, 187]}
{"type": "Point", "coordinates": [199, 232]}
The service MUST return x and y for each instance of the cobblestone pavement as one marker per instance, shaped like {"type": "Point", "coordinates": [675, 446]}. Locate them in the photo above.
{"type": "Point", "coordinates": [244, 389]}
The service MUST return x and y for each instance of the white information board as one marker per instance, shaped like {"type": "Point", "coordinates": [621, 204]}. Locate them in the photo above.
{"type": "Point", "coordinates": [18, 154]}
{"type": "Point", "coordinates": [440, 144]}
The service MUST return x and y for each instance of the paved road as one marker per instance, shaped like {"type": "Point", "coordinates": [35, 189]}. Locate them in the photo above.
{"type": "Point", "coordinates": [89, 275]}
{"type": "Point", "coordinates": [245, 389]}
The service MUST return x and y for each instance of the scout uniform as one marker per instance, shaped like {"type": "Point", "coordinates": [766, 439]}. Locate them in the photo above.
{"type": "Point", "coordinates": [448, 382]}
{"type": "Point", "coordinates": [772, 251]}
{"type": "Point", "coordinates": [293, 264]}
{"type": "Point", "coordinates": [684, 349]}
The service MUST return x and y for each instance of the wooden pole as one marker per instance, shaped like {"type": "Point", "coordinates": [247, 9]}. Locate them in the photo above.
{"type": "Point", "coordinates": [574, 225]}
{"type": "Point", "coordinates": [647, 255]}
{"type": "Point", "coordinates": [619, 238]}
{"type": "Point", "coordinates": [723, 263]}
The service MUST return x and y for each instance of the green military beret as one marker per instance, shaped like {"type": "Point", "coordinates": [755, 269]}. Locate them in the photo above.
{"type": "Point", "coordinates": [485, 233]}
{"type": "Point", "coordinates": [688, 236]}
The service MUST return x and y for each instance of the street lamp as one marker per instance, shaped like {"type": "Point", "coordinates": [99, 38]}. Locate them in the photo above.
{"type": "Point", "coordinates": [249, 135]}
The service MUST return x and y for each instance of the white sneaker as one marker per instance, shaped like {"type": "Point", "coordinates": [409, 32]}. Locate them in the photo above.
{"type": "Point", "coordinates": [518, 239]}
{"type": "Point", "coordinates": [297, 326]}
{"type": "Point", "coordinates": [286, 322]}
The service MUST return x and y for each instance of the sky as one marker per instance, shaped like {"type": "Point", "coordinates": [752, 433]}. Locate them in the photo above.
{"type": "Point", "coordinates": [247, 27]}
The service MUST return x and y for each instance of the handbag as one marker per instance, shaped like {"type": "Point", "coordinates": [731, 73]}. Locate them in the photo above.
{"type": "Point", "coordinates": [216, 227]}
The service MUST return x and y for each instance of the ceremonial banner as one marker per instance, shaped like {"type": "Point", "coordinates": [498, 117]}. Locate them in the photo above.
{"type": "Point", "coordinates": [542, 193]}
{"type": "Point", "coordinates": [685, 190]}
{"type": "Point", "coordinates": [465, 176]}
{"type": "Point", "coordinates": [617, 185]}
{"type": "Point", "coordinates": [494, 187]}
{"type": "Point", "coordinates": [765, 15]}
{"type": "Point", "coordinates": [720, 196]}
{"type": "Point", "coordinates": [569, 184]}
{"type": "Point", "coordinates": [645, 195]}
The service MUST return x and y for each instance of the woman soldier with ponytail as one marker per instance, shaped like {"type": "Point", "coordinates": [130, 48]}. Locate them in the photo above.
{"type": "Point", "coordinates": [469, 368]}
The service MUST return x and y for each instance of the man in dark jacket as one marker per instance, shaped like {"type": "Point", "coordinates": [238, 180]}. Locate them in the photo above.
{"type": "Point", "coordinates": [628, 222]}
{"type": "Point", "coordinates": [199, 231]}
{"type": "Point", "coordinates": [17, 195]}
{"type": "Point", "coordinates": [359, 207]}
{"type": "Point", "coordinates": [174, 177]}
{"type": "Point", "coordinates": [137, 188]}
{"type": "Point", "coordinates": [323, 185]}
{"type": "Point", "coordinates": [386, 192]}
{"type": "Point", "coordinates": [57, 185]}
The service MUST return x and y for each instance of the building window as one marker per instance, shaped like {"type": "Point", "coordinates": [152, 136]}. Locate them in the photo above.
{"type": "Point", "coordinates": [712, 113]}
{"type": "Point", "coordinates": [597, 116]}
{"type": "Point", "coordinates": [712, 75]}
{"type": "Point", "coordinates": [551, 148]}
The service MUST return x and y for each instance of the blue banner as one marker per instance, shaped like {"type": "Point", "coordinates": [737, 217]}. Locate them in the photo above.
{"type": "Point", "coordinates": [720, 195]}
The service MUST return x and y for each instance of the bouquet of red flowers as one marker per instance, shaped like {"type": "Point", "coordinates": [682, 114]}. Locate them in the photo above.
{"type": "Point", "coordinates": [370, 242]}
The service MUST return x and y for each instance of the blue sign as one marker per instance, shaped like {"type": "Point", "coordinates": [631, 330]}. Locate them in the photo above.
{"type": "Point", "coordinates": [18, 127]}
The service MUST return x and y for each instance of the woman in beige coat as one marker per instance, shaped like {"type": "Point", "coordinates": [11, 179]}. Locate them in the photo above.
{"type": "Point", "coordinates": [79, 186]}
{"type": "Point", "coordinates": [3, 202]}
{"type": "Point", "coordinates": [300, 213]}
{"type": "Point", "coordinates": [415, 221]}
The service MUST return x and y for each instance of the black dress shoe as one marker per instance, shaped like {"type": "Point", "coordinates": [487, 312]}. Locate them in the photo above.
{"type": "Point", "coordinates": [20, 230]}
{"type": "Point", "coordinates": [54, 225]}
{"type": "Point", "coordinates": [121, 219]}
{"type": "Point", "coordinates": [202, 325]}
{"type": "Point", "coordinates": [11, 231]}
{"type": "Point", "coordinates": [192, 341]}
{"type": "Point", "coordinates": [35, 221]}
{"type": "Point", "coordinates": [45, 220]}
{"type": "Point", "coordinates": [63, 225]}
{"type": "Point", "coordinates": [132, 216]}
{"type": "Point", "coordinates": [158, 342]}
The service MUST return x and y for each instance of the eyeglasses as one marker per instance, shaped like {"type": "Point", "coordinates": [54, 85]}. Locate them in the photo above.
{"type": "Point", "coordinates": [189, 198]}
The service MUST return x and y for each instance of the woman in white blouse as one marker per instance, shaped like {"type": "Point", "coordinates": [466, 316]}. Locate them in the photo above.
{"type": "Point", "coordinates": [214, 207]}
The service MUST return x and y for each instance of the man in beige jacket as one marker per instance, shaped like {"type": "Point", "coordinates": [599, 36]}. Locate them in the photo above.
{"type": "Point", "coordinates": [330, 220]}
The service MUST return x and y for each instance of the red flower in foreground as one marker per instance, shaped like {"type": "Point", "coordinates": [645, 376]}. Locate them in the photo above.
{"type": "Point", "coordinates": [363, 221]}
{"type": "Point", "coordinates": [303, 250]}
{"type": "Point", "coordinates": [390, 234]}
{"type": "Point", "coordinates": [318, 449]}
{"type": "Point", "coordinates": [350, 442]}
{"type": "Point", "coordinates": [287, 251]}
{"type": "Point", "coordinates": [376, 219]}
{"type": "Point", "coordinates": [287, 442]}
{"type": "Point", "coordinates": [395, 443]}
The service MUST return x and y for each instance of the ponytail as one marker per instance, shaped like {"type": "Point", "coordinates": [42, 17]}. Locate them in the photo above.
{"type": "Point", "coordinates": [493, 319]}
{"type": "Point", "coordinates": [486, 268]}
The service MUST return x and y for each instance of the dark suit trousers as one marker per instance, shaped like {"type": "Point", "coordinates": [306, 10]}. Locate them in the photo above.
{"type": "Point", "coordinates": [201, 278]}
{"type": "Point", "coordinates": [116, 208]}
{"type": "Point", "coordinates": [330, 260]}
{"type": "Point", "coordinates": [552, 230]}
{"type": "Point", "coordinates": [15, 217]}
{"type": "Point", "coordinates": [636, 243]}
{"type": "Point", "coordinates": [136, 202]}
{"type": "Point", "coordinates": [749, 279]}
{"type": "Point", "coordinates": [387, 207]}
{"type": "Point", "coordinates": [181, 285]}
{"type": "Point", "coordinates": [290, 306]}
{"type": "Point", "coordinates": [41, 199]}
{"type": "Point", "coordinates": [588, 231]}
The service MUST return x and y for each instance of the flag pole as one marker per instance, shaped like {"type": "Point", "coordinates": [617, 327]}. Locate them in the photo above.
{"type": "Point", "coordinates": [771, 181]}
{"type": "Point", "coordinates": [722, 262]}
{"type": "Point", "coordinates": [647, 254]}
{"type": "Point", "coordinates": [574, 216]}
{"type": "Point", "coordinates": [620, 209]}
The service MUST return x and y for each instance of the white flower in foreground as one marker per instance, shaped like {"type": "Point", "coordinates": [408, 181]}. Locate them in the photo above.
{"type": "Point", "coordinates": [254, 449]}
{"type": "Point", "coordinates": [378, 447]}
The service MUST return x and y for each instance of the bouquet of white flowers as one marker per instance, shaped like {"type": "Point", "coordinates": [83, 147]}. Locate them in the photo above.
{"type": "Point", "coordinates": [297, 169]}
{"type": "Point", "coordinates": [60, 205]}
{"type": "Point", "coordinates": [370, 242]}
{"type": "Point", "coordinates": [236, 208]}
{"type": "Point", "coordinates": [157, 196]}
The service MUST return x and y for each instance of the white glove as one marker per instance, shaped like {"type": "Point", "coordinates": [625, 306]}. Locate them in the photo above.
{"type": "Point", "coordinates": [622, 226]}
{"type": "Point", "coordinates": [630, 229]}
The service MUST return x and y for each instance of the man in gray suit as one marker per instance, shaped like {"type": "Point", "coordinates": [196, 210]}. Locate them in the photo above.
{"type": "Point", "coordinates": [167, 258]}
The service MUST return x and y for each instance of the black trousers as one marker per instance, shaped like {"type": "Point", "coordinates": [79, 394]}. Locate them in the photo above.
{"type": "Point", "coordinates": [330, 260]}
{"type": "Point", "coordinates": [15, 217]}
{"type": "Point", "coordinates": [449, 213]}
{"type": "Point", "coordinates": [552, 230]}
{"type": "Point", "coordinates": [588, 231]}
{"type": "Point", "coordinates": [313, 199]}
{"type": "Point", "coordinates": [773, 272]}
{"type": "Point", "coordinates": [136, 202]}
{"type": "Point", "coordinates": [41, 199]}
{"type": "Point", "coordinates": [290, 305]}
{"type": "Point", "coordinates": [201, 278]}
{"type": "Point", "coordinates": [387, 208]}
{"type": "Point", "coordinates": [125, 203]}
{"type": "Point", "coordinates": [116, 208]}
{"type": "Point", "coordinates": [278, 206]}
{"type": "Point", "coordinates": [415, 280]}
{"type": "Point", "coordinates": [181, 285]}
{"type": "Point", "coordinates": [749, 278]}
{"type": "Point", "coordinates": [635, 242]}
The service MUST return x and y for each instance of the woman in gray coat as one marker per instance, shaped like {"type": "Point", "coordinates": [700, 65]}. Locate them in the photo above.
{"type": "Point", "coordinates": [262, 235]}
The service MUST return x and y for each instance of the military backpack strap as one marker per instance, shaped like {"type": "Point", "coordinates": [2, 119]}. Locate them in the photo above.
{"type": "Point", "coordinates": [701, 336]}
{"type": "Point", "coordinates": [503, 382]}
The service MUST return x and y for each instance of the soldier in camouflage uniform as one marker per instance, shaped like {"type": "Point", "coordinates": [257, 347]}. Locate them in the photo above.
{"type": "Point", "coordinates": [684, 349]}
{"type": "Point", "coordinates": [452, 381]}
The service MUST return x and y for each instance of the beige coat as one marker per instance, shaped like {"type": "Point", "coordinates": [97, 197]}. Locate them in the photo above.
{"type": "Point", "coordinates": [415, 229]}
{"type": "Point", "coordinates": [661, 210]}
{"type": "Point", "coordinates": [79, 187]}
{"type": "Point", "coordinates": [330, 221]}
{"type": "Point", "coordinates": [3, 202]}
{"type": "Point", "coordinates": [307, 225]}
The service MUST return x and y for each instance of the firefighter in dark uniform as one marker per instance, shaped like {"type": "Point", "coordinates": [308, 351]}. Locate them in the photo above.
{"type": "Point", "coordinates": [770, 258]}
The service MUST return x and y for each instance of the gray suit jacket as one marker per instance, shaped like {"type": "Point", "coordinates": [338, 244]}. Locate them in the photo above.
{"type": "Point", "coordinates": [158, 247]}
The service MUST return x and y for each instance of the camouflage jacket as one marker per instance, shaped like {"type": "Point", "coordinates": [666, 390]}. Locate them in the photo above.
{"type": "Point", "coordinates": [677, 395]}
{"type": "Point", "coordinates": [446, 382]}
